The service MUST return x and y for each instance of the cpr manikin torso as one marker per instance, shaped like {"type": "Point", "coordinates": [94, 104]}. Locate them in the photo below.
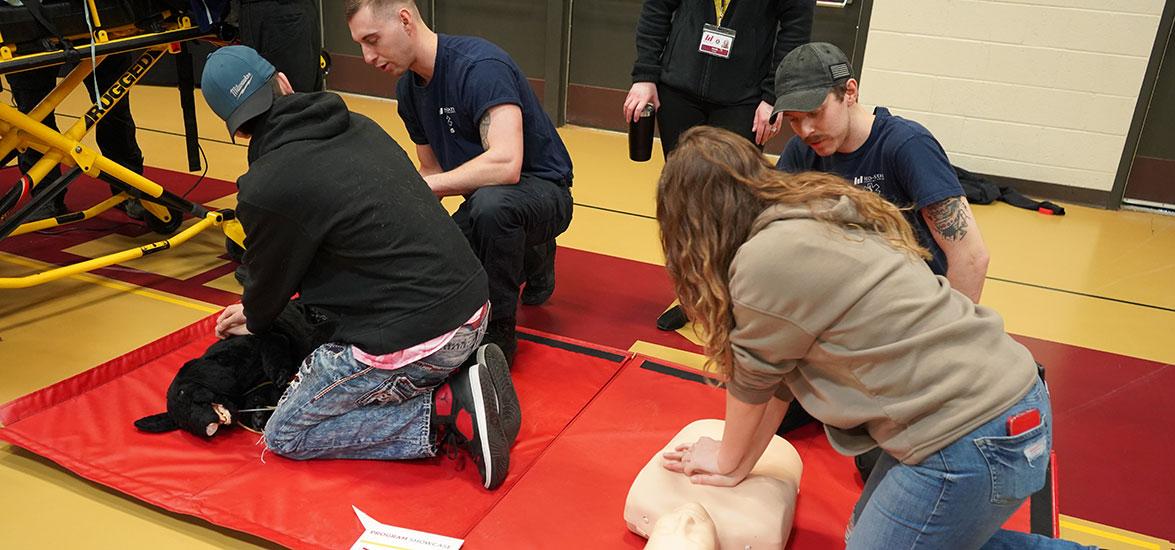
{"type": "Point", "coordinates": [754, 515]}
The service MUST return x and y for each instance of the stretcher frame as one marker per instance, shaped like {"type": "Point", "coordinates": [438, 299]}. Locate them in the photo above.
{"type": "Point", "coordinates": [20, 131]}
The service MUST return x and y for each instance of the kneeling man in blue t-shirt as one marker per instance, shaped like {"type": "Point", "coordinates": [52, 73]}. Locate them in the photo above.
{"type": "Point", "coordinates": [480, 132]}
{"type": "Point", "coordinates": [894, 157]}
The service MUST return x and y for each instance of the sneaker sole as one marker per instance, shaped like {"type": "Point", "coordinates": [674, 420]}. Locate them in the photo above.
{"type": "Point", "coordinates": [509, 409]}
{"type": "Point", "coordinates": [495, 459]}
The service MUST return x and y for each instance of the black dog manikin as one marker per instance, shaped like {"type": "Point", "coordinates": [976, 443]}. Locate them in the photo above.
{"type": "Point", "coordinates": [241, 373]}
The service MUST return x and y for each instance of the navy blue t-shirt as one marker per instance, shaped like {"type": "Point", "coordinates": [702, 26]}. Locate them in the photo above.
{"type": "Point", "coordinates": [900, 161]}
{"type": "Point", "coordinates": [472, 75]}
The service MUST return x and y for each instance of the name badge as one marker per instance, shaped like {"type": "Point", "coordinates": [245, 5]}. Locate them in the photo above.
{"type": "Point", "coordinates": [716, 41]}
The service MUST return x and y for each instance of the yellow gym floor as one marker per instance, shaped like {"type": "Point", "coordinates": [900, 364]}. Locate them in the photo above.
{"type": "Point", "coordinates": [1097, 279]}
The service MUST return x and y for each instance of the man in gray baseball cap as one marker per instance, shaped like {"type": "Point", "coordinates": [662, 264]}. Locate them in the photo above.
{"type": "Point", "coordinates": [817, 94]}
{"type": "Point", "coordinates": [804, 78]}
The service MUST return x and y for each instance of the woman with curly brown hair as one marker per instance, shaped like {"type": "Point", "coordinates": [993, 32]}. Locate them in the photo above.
{"type": "Point", "coordinates": [808, 288]}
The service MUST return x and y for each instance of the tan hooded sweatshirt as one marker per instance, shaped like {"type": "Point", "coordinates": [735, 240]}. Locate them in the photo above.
{"type": "Point", "coordinates": [866, 338]}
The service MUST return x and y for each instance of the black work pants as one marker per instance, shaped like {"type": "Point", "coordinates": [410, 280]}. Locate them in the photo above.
{"type": "Point", "coordinates": [287, 34]}
{"type": "Point", "coordinates": [501, 222]}
{"type": "Point", "coordinates": [681, 111]}
{"type": "Point", "coordinates": [115, 132]}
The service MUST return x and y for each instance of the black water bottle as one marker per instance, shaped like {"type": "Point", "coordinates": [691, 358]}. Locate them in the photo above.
{"type": "Point", "coordinates": [640, 135]}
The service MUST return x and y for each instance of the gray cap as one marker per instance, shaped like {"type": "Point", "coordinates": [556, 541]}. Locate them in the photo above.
{"type": "Point", "coordinates": [807, 74]}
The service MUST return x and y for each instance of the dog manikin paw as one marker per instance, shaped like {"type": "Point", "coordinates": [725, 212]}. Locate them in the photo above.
{"type": "Point", "coordinates": [222, 414]}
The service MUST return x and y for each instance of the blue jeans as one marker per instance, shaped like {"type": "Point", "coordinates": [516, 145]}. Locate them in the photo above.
{"type": "Point", "coordinates": [959, 497]}
{"type": "Point", "coordinates": [337, 407]}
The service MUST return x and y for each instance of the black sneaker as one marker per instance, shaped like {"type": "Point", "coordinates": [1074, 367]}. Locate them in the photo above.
{"type": "Point", "coordinates": [133, 209]}
{"type": "Point", "coordinates": [466, 414]}
{"type": "Point", "coordinates": [491, 358]}
{"type": "Point", "coordinates": [539, 263]}
{"type": "Point", "coordinates": [672, 319]}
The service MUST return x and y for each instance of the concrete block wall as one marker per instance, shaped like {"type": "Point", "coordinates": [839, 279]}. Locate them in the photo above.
{"type": "Point", "coordinates": [1042, 90]}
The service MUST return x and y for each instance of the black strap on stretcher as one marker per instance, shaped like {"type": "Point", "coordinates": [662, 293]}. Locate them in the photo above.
{"type": "Point", "coordinates": [35, 8]}
{"type": "Point", "coordinates": [45, 59]}
{"type": "Point", "coordinates": [185, 73]}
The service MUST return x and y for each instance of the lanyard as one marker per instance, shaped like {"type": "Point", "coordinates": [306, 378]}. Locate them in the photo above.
{"type": "Point", "coordinates": [720, 9]}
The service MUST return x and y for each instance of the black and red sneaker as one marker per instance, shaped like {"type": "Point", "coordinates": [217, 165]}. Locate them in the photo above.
{"type": "Point", "coordinates": [490, 357]}
{"type": "Point", "coordinates": [466, 415]}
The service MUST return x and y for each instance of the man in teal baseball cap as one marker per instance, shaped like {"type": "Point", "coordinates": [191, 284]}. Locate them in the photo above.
{"type": "Point", "coordinates": [233, 83]}
{"type": "Point", "coordinates": [335, 211]}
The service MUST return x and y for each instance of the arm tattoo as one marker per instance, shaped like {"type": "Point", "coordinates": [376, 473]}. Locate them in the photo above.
{"type": "Point", "coordinates": [484, 129]}
{"type": "Point", "coordinates": [950, 218]}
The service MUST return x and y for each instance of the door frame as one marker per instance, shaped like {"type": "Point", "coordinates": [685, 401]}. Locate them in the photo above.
{"type": "Point", "coordinates": [861, 36]}
{"type": "Point", "coordinates": [1117, 195]}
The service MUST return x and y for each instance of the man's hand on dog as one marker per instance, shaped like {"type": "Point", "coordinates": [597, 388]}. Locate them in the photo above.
{"type": "Point", "coordinates": [232, 322]}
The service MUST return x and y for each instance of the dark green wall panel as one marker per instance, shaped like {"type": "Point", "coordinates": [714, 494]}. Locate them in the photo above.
{"type": "Point", "coordinates": [603, 42]}
{"type": "Point", "coordinates": [518, 26]}
{"type": "Point", "coordinates": [335, 36]}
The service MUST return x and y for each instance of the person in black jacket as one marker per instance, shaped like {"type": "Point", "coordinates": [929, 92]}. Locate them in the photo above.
{"type": "Point", "coordinates": [334, 211]}
{"type": "Point", "coordinates": [713, 62]}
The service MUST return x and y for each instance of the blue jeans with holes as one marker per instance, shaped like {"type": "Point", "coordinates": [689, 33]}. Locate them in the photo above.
{"type": "Point", "coordinates": [337, 407]}
{"type": "Point", "coordinates": [959, 497]}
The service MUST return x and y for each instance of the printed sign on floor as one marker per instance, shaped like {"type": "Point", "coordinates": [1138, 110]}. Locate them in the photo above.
{"type": "Point", "coordinates": [378, 536]}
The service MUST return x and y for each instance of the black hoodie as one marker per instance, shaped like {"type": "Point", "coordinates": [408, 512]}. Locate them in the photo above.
{"type": "Point", "coordinates": [334, 209]}
{"type": "Point", "coordinates": [669, 31]}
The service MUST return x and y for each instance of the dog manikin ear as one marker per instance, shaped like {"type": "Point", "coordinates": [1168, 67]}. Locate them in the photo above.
{"type": "Point", "coordinates": [156, 423]}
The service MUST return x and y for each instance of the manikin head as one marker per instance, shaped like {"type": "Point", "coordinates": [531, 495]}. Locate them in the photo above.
{"type": "Point", "coordinates": [389, 32]}
{"type": "Point", "coordinates": [817, 95]}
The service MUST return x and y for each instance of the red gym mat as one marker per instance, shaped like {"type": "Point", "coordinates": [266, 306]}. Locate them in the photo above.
{"type": "Point", "coordinates": [604, 299]}
{"type": "Point", "coordinates": [85, 425]}
{"type": "Point", "coordinates": [592, 418]}
{"type": "Point", "coordinates": [573, 497]}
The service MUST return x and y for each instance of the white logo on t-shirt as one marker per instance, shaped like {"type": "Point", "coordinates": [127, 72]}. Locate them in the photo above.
{"type": "Point", "coordinates": [445, 112]}
{"type": "Point", "coordinates": [872, 183]}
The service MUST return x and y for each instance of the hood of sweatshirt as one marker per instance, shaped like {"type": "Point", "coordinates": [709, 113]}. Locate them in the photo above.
{"type": "Point", "coordinates": [841, 210]}
{"type": "Point", "coordinates": [297, 117]}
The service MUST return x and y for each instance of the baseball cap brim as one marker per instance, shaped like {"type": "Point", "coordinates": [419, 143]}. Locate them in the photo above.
{"type": "Point", "coordinates": [256, 104]}
{"type": "Point", "coordinates": [801, 100]}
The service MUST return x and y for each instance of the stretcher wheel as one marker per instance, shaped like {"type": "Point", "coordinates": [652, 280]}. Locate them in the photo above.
{"type": "Point", "coordinates": [164, 228]}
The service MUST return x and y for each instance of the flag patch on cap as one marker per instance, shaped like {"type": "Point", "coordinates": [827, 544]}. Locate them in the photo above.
{"type": "Point", "coordinates": [839, 70]}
